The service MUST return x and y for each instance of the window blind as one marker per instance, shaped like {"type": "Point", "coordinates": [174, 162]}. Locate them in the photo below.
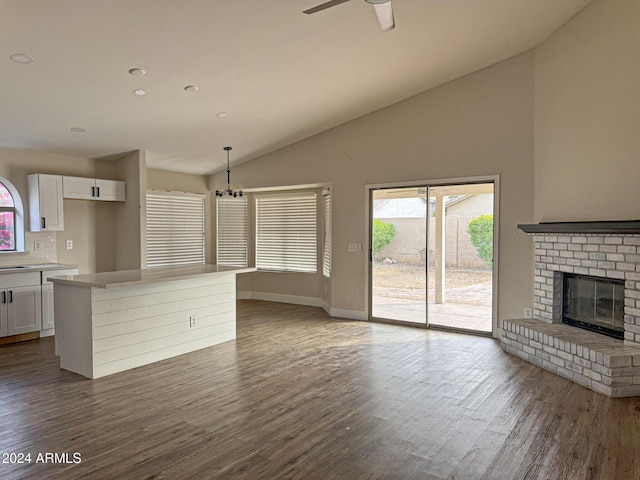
{"type": "Point", "coordinates": [175, 228]}
{"type": "Point", "coordinates": [326, 222]}
{"type": "Point", "coordinates": [231, 231]}
{"type": "Point", "coordinates": [286, 232]}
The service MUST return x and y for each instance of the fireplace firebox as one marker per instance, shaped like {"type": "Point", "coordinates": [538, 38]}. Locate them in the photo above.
{"type": "Point", "coordinates": [594, 303]}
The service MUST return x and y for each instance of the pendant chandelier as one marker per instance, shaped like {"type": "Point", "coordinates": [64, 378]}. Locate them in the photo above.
{"type": "Point", "coordinates": [229, 191]}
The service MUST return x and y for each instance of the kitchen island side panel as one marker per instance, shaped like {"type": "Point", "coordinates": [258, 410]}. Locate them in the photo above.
{"type": "Point", "coordinates": [73, 337]}
{"type": "Point", "coordinates": [141, 324]}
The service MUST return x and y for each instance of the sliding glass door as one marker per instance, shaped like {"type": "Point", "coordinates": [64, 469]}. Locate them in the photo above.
{"type": "Point", "coordinates": [399, 254]}
{"type": "Point", "coordinates": [432, 255]}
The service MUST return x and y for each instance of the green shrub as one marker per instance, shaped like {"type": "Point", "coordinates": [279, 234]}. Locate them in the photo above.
{"type": "Point", "coordinates": [480, 230]}
{"type": "Point", "coordinates": [383, 234]}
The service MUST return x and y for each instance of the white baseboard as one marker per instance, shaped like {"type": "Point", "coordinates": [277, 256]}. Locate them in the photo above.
{"type": "Point", "coordinates": [348, 314]}
{"type": "Point", "coordinates": [300, 300]}
{"type": "Point", "coordinates": [276, 297]}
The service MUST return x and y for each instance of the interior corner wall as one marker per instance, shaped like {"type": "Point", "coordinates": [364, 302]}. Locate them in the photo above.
{"type": "Point", "coordinates": [481, 124]}
{"type": "Point", "coordinates": [587, 113]}
{"type": "Point", "coordinates": [130, 247]}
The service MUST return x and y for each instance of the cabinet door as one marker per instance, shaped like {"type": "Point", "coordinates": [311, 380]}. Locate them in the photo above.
{"type": "Point", "coordinates": [110, 190]}
{"type": "Point", "coordinates": [78, 187]}
{"type": "Point", "coordinates": [24, 310]}
{"type": "Point", "coordinates": [45, 202]}
{"type": "Point", "coordinates": [3, 315]}
{"type": "Point", "coordinates": [47, 307]}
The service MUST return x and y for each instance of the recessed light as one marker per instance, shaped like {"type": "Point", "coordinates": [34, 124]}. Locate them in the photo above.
{"type": "Point", "coordinates": [136, 72]}
{"type": "Point", "coordinates": [190, 88]}
{"type": "Point", "coordinates": [222, 115]}
{"type": "Point", "coordinates": [141, 92]}
{"type": "Point", "coordinates": [78, 129]}
{"type": "Point", "coordinates": [21, 58]}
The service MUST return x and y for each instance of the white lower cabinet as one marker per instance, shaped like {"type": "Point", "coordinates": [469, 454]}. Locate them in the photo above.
{"type": "Point", "coordinates": [20, 303]}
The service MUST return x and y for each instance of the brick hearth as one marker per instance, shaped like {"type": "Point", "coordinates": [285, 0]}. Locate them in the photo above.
{"type": "Point", "coordinates": [604, 364]}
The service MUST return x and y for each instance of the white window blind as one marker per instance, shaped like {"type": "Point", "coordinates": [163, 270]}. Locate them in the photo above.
{"type": "Point", "coordinates": [286, 232]}
{"type": "Point", "coordinates": [231, 231]}
{"type": "Point", "coordinates": [175, 228]}
{"type": "Point", "coordinates": [326, 222]}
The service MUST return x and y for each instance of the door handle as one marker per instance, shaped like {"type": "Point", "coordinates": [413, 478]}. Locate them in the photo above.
{"type": "Point", "coordinates": [44, 223]}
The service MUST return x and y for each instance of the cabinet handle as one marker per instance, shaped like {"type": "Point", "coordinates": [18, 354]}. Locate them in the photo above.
{"type": "Point", "coordinates": [10, 296]}
{"type": "Point", "coordinates": [98, 190]}
{"type": "Point", "coordinates": [93, 191]}
{"type": "Point", "coordinates": [4, 297]}
{"type": "Point", "coordinates": [44, 223]}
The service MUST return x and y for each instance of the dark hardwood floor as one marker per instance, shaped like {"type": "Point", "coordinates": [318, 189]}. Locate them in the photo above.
{"type": "Point", "coordinates": [299, 395]}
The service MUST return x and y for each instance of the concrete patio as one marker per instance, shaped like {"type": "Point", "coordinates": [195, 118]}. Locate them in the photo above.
{"type": "Point", "coordinates": [467, 307]}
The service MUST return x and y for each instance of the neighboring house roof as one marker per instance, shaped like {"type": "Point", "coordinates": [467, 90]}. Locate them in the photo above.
{"type": "Point", "coordinates": [408, 207]}
{"type": "Point", "coordinates": [400, 208]}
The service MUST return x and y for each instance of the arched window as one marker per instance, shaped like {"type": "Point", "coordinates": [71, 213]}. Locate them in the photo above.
{"type": "Point", "coordinates": [11, 218]}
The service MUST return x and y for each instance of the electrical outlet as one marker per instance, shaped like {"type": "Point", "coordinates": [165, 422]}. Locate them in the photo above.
{"type": "Point", "coordinates": [528, 313]}
{"type": "Point", "coordinates": [37, 245]}
{"type": "Point", "coordinates": [193, 321]}
{"type": "Point", "coordinates": [69, 244]}
{"type": "Point", "coordinates": [355, 247]}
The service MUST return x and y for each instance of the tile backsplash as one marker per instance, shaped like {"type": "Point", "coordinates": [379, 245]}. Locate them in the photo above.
{"type": "Point", "coordinates": [46, 254]}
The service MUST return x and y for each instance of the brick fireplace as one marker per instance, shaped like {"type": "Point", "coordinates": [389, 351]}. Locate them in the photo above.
{"type": "Point", "coordinates": [604, 250]}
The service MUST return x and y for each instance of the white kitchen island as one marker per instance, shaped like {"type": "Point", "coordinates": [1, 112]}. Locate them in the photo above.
{"type": "Point", "coordinates": [114, 321]}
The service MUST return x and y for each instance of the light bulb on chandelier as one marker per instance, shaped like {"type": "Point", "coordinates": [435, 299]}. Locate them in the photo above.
{"type": "Point", "coordinates": [229, 191]}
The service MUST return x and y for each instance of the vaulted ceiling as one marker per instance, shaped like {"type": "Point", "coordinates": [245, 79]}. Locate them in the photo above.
{"type": "Point", "coordinates": [266, 74]}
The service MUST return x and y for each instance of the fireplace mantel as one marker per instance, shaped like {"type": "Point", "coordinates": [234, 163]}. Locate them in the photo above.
{"type": "Point", "coordinates": [619, 227]}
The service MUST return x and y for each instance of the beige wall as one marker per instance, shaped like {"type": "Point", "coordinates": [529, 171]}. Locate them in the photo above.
{"type": "Point", "coordinates": [481, 124]}
{"type": "Point", "coordinates": [80, 215]}
{"type": "Point", "coordinates": [130, 216]}
{"type": "Point", "coordinates": [100, 230]}
{"type": "Point", "coordinates": [587, 113]}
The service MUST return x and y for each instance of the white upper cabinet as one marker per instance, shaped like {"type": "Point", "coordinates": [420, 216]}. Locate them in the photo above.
{"type": "Point", "coordinates": [45, 202]}
{"type": "Point", "coordinates": [110, 190]}
{"type": "Point", "coordinates": [93, 189]}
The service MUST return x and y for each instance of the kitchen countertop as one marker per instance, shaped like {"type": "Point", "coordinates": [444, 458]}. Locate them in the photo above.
{"type": "Point", "coordinates": [36, 267]}
{"type": "Point", "coordinates": [145, 276]}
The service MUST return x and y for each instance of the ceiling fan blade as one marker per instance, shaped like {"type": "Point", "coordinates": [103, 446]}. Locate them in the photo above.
{"type": "Point", "coordinates": [385, 15]}
{"type": "Point", "coordinates": [325, 5]}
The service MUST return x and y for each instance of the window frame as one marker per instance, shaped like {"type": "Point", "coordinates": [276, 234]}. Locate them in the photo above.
{"type": "Point", "coordinates": [240, 203]}
{"type": "Point", "coordinates": [303, 267]}
{"type": "Point", "coordinates": [184, 251]}
{"type": "Point", "coordinates": [326, 233]}
{"type": "Point", "coordinates": [18, 218]}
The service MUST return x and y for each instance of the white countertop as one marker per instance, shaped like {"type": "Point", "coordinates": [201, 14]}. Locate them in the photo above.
{"type": "Point", "coordinates": [36, 267]}
{"type": "Point", "coordinates": [145, 276]}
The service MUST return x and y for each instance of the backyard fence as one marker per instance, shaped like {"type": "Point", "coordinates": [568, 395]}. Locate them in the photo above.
{"type": "Point", "coordinates": [408, 245]}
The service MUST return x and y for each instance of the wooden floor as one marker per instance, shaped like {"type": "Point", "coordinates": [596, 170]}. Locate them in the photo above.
{"type": "Point", "coordinates": [302, 396]}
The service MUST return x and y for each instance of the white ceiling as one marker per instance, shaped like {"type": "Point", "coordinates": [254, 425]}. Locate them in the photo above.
{"type": "Point", "coordinates": [281, 75]}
